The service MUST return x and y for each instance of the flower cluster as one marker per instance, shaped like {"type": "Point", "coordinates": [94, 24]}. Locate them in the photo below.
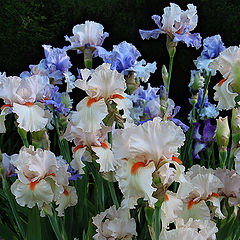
{"type": "Point", "coordinates": [122, 145]}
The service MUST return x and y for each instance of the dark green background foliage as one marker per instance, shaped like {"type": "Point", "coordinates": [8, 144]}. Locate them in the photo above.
{"type": "Point", "coordinates": [27, 24]}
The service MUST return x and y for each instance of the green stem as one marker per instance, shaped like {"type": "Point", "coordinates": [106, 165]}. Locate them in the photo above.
{"type": "Point", "coordinates": [113, 194]}
{"type": "Point", "coordinates": [23, 134]}
{"type": "Point", "coordinates": [12, 204]}
{"type": "Point", "coordinates": [157, 222]}
{"type": "Point", "coordinates": [187, 149]}
{"type": "Point", "coordinates": [213, 157]}
{"type": "Point", "coordinates": [55, 226]}
{"type": "Point", "coordinates": [157, 218]}
{"type": "Point", "coordinates": [169, 73]}
{"type": "Point", "coordinates": [64, 147]}
{"type": "Point", "coordinates": [222, 157]}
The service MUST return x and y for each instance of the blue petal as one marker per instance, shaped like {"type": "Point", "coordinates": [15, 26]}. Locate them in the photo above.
{"type": "Point", "coordinates": [190, 39]}
{"type": "Point", "coordinates": [146, 34]}
{"type": "Point", "coordinates": [212, 47]}
{"type": "Point", "coordinates": [156, 19]}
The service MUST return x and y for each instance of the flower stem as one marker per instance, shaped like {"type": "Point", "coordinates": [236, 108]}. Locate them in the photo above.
{"type": "Point", "coordinates": [170, 73]}
{"type": "Point", "coordinates": [157, 218]}
{"type": "Point", "coordinates": [12, 204]}
{"type": "Point", "coordinates": [113, 194]}
{"type": "Point", "coordinates": [222, 157]}
{"type": "Point", "coordinates": [55, 226]}
{"type": "Point", "coordinates": [63, 145]}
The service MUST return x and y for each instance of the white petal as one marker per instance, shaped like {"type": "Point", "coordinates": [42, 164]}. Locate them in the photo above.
{"type": "Point", "coordinates": [198, 210]}
{"type": "Point", "coordinates": [225, 98]}
{"type": "Point", "coordinates": [138, 185]}
{"type": "Point", "coordinates": [156, 139]}
{"type": "Point", "coordinates": [89, 118]}
{"type": "Point", "coordinates": [31, 118]}
{"type": "Point", "coordinates": [105, 159]}
{"type": "Point", "coordinates": [170, 209]}
{"type": "Point", "coordinates": [67, 199]}
{"type": "Point", "coordinates": [42, 193]}
{"type": "Point", "coordinates": [217, 208]}
{"type": "Point", "coordinates": [225, 61]}
{"type": "Point", "coordinates": [77, 163]}
{"type": "Point", "coordinates": [105, 82]}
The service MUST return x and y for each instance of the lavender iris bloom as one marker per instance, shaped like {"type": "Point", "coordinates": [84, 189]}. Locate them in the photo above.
{"type": "Point", "coordinates": [202, 141]}
{"type": "Point", "coordinates": [122, 57]}
{"type": "Point", "coordinates": [55, 99]}
{"type": "Point", "coordinates": [74, 174]}
{"type": "Point", "coordinates": [212, 47]}
{"type": "Point", "coordinates": [57, 61]}
{"type": "Point", "coordinates": [146, 106]}
{"type": "Point", "coordinates": [9, 169]}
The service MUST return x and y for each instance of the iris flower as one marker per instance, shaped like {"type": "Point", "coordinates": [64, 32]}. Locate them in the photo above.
{"type": "Point", "coordinates": [177, 24]}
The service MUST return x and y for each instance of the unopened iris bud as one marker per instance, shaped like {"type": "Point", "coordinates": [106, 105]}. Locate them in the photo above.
{"type": "Point", "coordinates": [222, 133]}
{"type": "Point", "coordinates": [236, 76]}
{"type": "Point", "coordinates": [171, 46]}
{"type": "Point", "coordinates": [196, 82]}
{"type": "Point", "coordinates": [164, 75]}
{"type": "Point", "coordinates": [87, 56]}
{"type": "Point", "coordinates": [132, 84]}
{"type": "Point", "coordinates": [66, 100]}
{"type": "Point", "coordinates": [235, 121]}
{"type": "Point", "coordinates": [194, 99]}
{"type": "Point", "coordinates": [163, 102]}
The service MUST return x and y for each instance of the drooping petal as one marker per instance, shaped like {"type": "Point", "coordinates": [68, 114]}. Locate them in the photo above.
{"type": "Point", "coordinates": [88, 118]}
{"type": "Point", "coordinates": [42, 193]}
{"type": "Point", "coordinates": [225, 98]}
{"type": "Point", "coordinates": [135, 185]}
{"type": "Point", "coordinates": [170, 209]}
{"type": "Point", "coordinates": [31, 118]}
{"type": "Point", "coordinates": [67, 199]}
{"type": "Point", "coordinates": [77, 163]}
{"type": "Point", "coordinates": [105, 158]}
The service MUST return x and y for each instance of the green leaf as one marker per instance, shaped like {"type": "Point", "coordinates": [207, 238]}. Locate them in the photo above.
{"type": "Point", "coordinates": [149, 214]}
{"type": "Point", "coordinates": [6, 233]}
{"type": "Point", "coordinates": [34, 226]}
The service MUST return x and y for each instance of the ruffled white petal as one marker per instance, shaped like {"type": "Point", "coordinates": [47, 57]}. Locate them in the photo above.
{"type": "Point", "coordinates": [156, 140]}
{"type": "Point", "coordinates": [225, 61]}
{"type": "Point", "coordinates": [31, 118]}
{"type": "Point", "coordinates": [170, 209]}
{"type": "Point", "coordinates": [135, 186]}
{"type": "Point", "coordinates": [105, 82]}
{"type": "Point", "coordinates": [42, 193]}
{"type": "Point", "coordinates": [67, 199]}
{"type": "Point", "coordinates": [105, 158]}
{"type": "Point", "coordinates": [77, 162]}
{"type": "Point", "coordinates": [225, 98]}
{"type": "Point", "coordinates": [89, 32]}
{"type": "Point", "coordinates": [34, 165]}
{"type": "Point", "coordinates": [114, 224]}
{"type": "Point", "coordinates": [89, 118]}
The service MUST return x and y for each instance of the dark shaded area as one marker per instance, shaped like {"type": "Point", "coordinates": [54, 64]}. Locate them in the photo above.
{"type": "Point", "coordinates": [27, 24]}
